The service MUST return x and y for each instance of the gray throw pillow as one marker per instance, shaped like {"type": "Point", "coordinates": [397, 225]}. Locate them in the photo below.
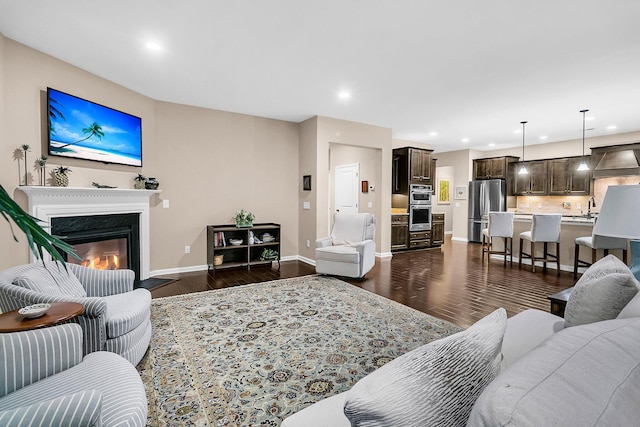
{"type": "Point", "coordinates": [588, 375]}
{"type": "Point", "coordinates": [52, 280]}
{"type": "Point", "coordinates": [601, 293]}
{"type": "Point", "coordinates": [433, 385]}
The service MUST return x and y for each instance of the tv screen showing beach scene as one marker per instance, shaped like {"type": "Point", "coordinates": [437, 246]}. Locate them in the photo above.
{"type": "Point", "coordinates": [82, 129]}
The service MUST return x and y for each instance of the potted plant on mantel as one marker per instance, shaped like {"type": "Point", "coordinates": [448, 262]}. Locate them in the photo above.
{"type": "Point", "coordinates": [37, 237]}
{"type": "Point", "coordinates": [140, 182]}
{"type": "Point", "coordinates": [244, 218]}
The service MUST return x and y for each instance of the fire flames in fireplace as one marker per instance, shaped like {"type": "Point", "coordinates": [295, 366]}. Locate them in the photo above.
{"type": "Point", "coordinates": [102, 255]}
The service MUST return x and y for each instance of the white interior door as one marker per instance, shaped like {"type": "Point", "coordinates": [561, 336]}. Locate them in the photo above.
{"type": "Point", "coordinates": [346, 188]}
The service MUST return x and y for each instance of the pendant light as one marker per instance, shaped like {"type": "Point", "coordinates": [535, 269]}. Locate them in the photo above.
{"type": "Point", "coordinates": [583, 164]}
{"type": "Point", "coordinates": [523, 169]}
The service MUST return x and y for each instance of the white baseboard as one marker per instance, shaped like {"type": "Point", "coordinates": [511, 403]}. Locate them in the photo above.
{"type": "Point", "coordinates": [384, 254]}
{"type": "Point", "coordinates": [178, 270]}
{"type": "Point", "coordinates": [460, 239]}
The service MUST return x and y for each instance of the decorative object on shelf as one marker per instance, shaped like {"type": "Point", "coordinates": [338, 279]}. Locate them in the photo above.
{"type": "Point", "coordinates": [140, 182]}
{"type": "Point", "coordinates": [217, 259]}
{"type": "Point", "coordinates": [583, 164]}
{"type": "Point", "coordinates": [252, 238]}
{"type": "Point", "coordinates": [306, 183]}
{"type": "Point", "coordinates": [460, 193]}
{"type": "Point", "coordinates": [95, 184]}
{"type": "Point", "coordinates": [269, 255]}
{"type": "Point", "coordinates": [62, 180]}
{"type": "Point", "coordinates": [37, 237]}
{"type": "Point", "coordinates": [151, 184]}
{"type": "Point", "coordinates": [523, 169]}
{"type": "Point", "coordinates": [235, 242]}
{"type": "Point", "coordinates": [268, 238]}
{"type": "Point", "coordinates": [444, 191]}
{"type": "Point", "coordinates": [25, 148]}
{"type": "Point", "coordinates": [243, 218]}
{"type": "Point", "coordinates": [35, 310]}
{"type": "Point", "coordinates": [42, 165]}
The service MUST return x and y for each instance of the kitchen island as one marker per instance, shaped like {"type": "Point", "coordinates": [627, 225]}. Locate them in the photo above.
{"type": "Point", "coordinates": [571, 228]}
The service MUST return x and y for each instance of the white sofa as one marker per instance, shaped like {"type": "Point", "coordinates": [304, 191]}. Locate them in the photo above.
{"type": "Point", "coordinates": [581, 370]}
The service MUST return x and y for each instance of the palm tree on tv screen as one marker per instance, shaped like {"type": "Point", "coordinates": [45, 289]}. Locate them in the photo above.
{"type": "Point", "coordinates": [94, 130]}
{"type": "Point", "coordinates": [54, 114]}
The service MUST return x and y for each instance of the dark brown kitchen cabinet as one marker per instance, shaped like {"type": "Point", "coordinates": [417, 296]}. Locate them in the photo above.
{"type": "Point", "coordinates": [411, 166]}
{"type": "Point", "coordinates": [399, 232]}
{"type": "Point", "coordinates": [492, 168]}
{"type": "Point", "coordinates": [437, 229]}
{"type": "Point", "coordinates": [565, 178]}
{"type": "Point", "coordinates": [534, 183]}
{"type": "Point", "coordinates": [419, 165]}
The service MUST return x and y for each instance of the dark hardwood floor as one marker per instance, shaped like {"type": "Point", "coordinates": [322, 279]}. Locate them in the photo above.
{"type": "Point", "coordinates": [451, 283]}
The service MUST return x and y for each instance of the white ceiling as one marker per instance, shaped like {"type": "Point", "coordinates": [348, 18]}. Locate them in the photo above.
{"type": "Point", "coordinates": [461, 68]}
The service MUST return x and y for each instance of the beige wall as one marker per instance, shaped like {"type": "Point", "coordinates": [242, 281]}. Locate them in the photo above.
{"type": "Point", "coordinates": [308, 165]}
{"type": "Point", "coordinates": [332, 132]}
{"type": "Point", "coordinates": [209, 163]}
{"type": "Point", "coordinates": [369, 162]}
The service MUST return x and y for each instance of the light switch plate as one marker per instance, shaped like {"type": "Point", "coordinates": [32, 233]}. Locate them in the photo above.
{"type": "Point", "coordinates": [165, 203]}
{"type": "Point", "coordinates": [306, 205]}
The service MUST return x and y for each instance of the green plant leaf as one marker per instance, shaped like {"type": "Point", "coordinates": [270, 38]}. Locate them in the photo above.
{"type": "Point", "coordinates": [37, 237]}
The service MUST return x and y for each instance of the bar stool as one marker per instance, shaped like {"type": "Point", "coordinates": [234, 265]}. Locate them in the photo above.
{"type": "Point", "coordinates": [545, 228]}
{"type": "Point", "coordinates": [500, 225]}
{"type": "Point", "coordinates": [596, 242]}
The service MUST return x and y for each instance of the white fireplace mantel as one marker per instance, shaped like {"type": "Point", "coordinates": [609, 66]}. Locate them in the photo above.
{"type": "Point", "coordinates": [53, 202]}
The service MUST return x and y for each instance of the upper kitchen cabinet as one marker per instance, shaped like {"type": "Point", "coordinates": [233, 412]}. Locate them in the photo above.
{"type": "Point", "coordinates": [492, 168]}
{"type": "Point", "coordinates": [533, 183]}
{"type": "Point", "coordinates": [564, 178]}
{"type": "Point", "coordinates": [410, 166]}
{"type": "Point", "coordinates": [419, 166]}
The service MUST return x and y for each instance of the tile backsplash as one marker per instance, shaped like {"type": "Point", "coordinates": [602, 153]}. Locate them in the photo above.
{"type": "Point", "coordinates": [572, 205]}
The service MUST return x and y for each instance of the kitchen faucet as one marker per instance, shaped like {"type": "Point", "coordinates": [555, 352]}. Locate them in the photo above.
{"type": "Point", "coordinates": [591, 203]}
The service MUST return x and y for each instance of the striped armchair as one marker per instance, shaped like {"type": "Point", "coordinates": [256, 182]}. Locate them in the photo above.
{"type": "Point", "coordinates": [45, 381]}
{"type": "Point", "coordinates": [116, 317]}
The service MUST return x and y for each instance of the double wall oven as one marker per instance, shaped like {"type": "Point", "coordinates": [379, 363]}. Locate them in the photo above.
{"type": "Point", "coordinates": [420, 207]}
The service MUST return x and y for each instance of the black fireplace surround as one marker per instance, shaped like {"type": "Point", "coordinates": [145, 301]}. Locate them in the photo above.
{"type": "Point", "coordinates": [94, 228]}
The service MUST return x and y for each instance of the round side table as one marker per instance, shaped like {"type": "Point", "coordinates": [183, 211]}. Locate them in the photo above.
{"type": "Point", "coordinates": [13, 321]}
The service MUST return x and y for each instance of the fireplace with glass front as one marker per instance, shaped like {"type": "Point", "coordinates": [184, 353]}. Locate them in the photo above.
{"type": "Point", "coordinates": [104, 242]}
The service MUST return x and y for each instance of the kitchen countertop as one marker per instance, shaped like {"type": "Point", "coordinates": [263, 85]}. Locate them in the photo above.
{"type": "Point", "coordinates": [568, 219]}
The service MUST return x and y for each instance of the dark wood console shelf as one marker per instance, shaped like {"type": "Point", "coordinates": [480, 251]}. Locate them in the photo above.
{"type": "Point", "coordinates": [244, 254]}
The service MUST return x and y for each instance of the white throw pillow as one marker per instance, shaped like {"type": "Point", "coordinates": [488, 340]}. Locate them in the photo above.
{"type": "Point", "coordinates": [601, 293]}
{"type": "Point", "coordinates": [53, 280]}
{"type": "Point", "coordinates": [588, 375]}
{"type": "Point", "coordinates": [433, 385]}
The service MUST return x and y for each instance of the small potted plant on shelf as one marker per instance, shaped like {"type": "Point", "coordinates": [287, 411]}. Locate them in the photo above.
{"type": "Point", "coordinates": [140, 182]}
{"type": "Point", "coordinates": [269, 255]}
{"type": "Point", "coordinates": [243, 218]}
{"type": "Point", "coordinates": [62, 180]}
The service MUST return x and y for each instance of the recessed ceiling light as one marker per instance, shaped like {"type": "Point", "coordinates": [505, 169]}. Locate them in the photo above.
{"type": "Point", "coordinates": [434, 134]}
{"type": "Point", "coordinates": [517, 131]}
{"type": "Point", "coordinates": [612, 127]}
{"type": "Point", "coordinates": [544, 137]}
{"type": "Point", "coordinates": [153, 46]}
{"type": "Point", "coordinates": [589, 118]}
{"type": "Point", "coordinates": [465, 139]}
{"type": "Point", "coordinates": [344, 95]}
{"type": "Point", "coordinates": [492, 144]}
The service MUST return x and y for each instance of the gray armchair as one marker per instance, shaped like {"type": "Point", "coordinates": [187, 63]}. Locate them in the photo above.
{"type": "Point", "coordinates": [350, 250]}
{"type": "Point", "coordinates": [44, 380]}
{"type": "Point", "coordinates": [116, 317]}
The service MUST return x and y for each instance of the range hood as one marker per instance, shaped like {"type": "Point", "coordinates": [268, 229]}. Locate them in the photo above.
{"type": "Point", "coordinates": [616, 160]}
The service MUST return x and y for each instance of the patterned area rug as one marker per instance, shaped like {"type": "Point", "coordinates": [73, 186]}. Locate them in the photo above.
{"type": "Point", "coordinates": [252, 355]}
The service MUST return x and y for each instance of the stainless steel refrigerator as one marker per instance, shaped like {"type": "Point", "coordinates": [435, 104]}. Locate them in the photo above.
{"type": "Point", "coordinates": [484, 196]}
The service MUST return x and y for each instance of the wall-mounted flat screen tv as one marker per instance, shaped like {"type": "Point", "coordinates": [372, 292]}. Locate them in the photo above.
{"type": "Point", "coordinates": [82, 129]}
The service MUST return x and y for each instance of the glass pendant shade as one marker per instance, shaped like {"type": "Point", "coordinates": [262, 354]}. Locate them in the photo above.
{"type": "Point", "coordinates": [583, 164]}
{"type": "Point", "coordinates": [523, 170]}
